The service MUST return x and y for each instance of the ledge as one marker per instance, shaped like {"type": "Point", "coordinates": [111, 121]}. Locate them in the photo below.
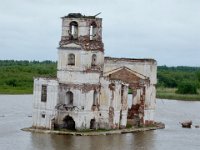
{"type": "Point", "coordinates": [92, 133]}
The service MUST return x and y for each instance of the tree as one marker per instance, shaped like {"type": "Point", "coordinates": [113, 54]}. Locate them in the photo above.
{"type": "Point", "coordinates": [187, 87]}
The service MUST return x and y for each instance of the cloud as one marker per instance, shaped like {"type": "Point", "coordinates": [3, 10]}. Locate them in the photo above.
{"type": "Point", "coordinates": [167, 31]}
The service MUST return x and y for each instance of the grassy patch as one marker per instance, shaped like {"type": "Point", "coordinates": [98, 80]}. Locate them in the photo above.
{"type": "Point", "coordinates": [170, 93]}
{"type": "Point", "coordinates": [15, 90]}
{"type": "Point", "coordinates": [16, 77]}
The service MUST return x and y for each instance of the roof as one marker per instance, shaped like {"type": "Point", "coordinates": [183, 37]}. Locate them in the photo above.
{"type": "Point", "coordinates": [130, 59]}
{"type": "Point", "coordinates": [78, 15]}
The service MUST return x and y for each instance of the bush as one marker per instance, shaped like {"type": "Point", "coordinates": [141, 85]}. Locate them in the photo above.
{"type": "Point", "coordinates": [186, 87]}
{"type": "Point", "coordinates": [166, 80]}
{"type": "Point", "coordinates": [198, 76]}
{"type": "Point", "coordinates": [11, 82]}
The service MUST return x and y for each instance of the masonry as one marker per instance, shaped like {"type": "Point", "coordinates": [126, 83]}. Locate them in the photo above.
{"type": "Point", "coordinates": [91, 91]}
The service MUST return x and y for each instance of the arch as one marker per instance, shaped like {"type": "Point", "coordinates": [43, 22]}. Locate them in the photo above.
{"type": "Point", "coordinates": [73, 30]}
{"type": "Point", "coordinates": [71, 59]}
{"type": "Point", "coordinates": [94, 60]}
{"type": "Point", "coordinates": [69, 123]}
{"type": "Point", "coordinates": [69, 98]}
{"type": "Point", "coordinates": [93, 30]}
{"type": "Point", "coordinates": [95, 98]}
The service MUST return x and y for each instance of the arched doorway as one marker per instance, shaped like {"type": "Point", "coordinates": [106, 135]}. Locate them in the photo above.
{"type": "Point", "coordinates": [92, 124]}
{"type": "Point", "coordinates": [69, 123]}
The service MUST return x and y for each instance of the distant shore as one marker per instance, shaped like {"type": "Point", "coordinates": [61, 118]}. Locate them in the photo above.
{"type": "Point", "coordinates": [169, 93]}
{"type": "Point", "coordinates": [162, 93]}
{"type": "Point", "coordinates": [16, 77]}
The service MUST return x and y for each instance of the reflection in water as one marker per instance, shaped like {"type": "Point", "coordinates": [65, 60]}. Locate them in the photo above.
{"type": "Point", "coordinates": [144, 140]}
{"type": "Point", "coordinates": [137, 141]}
{"type": "Point", "coordinates": [170, 112]}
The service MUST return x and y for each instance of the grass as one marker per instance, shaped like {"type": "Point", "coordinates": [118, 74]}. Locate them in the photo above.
{"type": "Point", "coordinates": [15, 90]}
{"type": "Point", "coordinates": [169, 93]}
{"type": "Point", "coordinates": [162, 93]}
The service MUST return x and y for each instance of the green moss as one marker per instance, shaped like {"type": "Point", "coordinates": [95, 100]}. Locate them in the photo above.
{"type": "Point", "coordinates": [128, 126]}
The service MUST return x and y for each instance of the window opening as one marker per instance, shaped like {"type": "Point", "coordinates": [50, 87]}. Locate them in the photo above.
{"type": "Point", "coordinates": [74, 30]}
{"type": "Point", "coordinates": [93, 31]}
{"type": "Point", "coordinates": [94, 59]}
{"type": "Point", "coordinates": [69, 98]}
{"type": "Point", "coordinates": [44, 93]}
{"type": "Point", "coordinates": [43, 115]}
{"type": "Point", "coordinates": [71, 59]}
{"type": "Point", "coordinates": [95, 98]}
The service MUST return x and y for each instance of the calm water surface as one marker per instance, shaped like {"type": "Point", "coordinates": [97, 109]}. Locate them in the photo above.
{"type": "Point", "coordinates": [14, 112]}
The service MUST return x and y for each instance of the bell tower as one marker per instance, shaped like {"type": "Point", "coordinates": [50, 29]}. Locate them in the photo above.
{"type": "Point", "coordinates": [81, 50]}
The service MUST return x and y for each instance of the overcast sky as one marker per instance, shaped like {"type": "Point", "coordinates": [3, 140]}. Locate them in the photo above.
{"type": "Point", "coordinates": [165, 30]}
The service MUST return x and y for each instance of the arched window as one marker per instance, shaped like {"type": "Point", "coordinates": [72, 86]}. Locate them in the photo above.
{"type": "Point", "coordinates": [94, 60]}
{"type": "Point", "coordinates": [93, 30]}
{"type": "Point", "coordinates": [69, 98]}
{"type": "Point", "coordinates": [95, 98]}
{"type": "Point", "coordinates": [71, 59]}
{"type": "Point", "coordinates": [74, 30]}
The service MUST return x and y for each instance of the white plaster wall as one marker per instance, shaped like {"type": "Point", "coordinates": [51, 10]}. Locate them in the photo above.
{"type": "Point", "coordinates": [116, 120]}
{"type": "Point", "coordinates": [78, 77]}
{"type": "Point", "coordinates": [150, 103]}
{"type": "Point", "coordinates": [84, 25]}
{"type": "Point", "coordinates": [112, 98]}
{"type": "Point", "coordinates": [105, 95]}
{"type": "Point", "coordinates": [40, 122]}
{"type": "Point", "coordinates": [149, 115]}
{"type": "Point", "coordinates": [150, 97]}
{"type": "Point", "coordinates": [83, 59]}
{"type": "Point", "coordinates": [136, 98]}
{"type": "Point", "coordinates": [82, 118]}
{"type": "Point", "coordinates": [46, 108]}
{"type": "Point", "coordinates": [123, 121]}
{"type": "Point", "coordinates": [145, 67]}
{"type": "Point", "coordinates": [80, 99]}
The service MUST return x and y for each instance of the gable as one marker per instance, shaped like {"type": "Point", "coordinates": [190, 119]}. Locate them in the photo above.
{"type": "Point", "coordinates": [72, 46]}
{"type": "Point", "coordinates": [126, 75]}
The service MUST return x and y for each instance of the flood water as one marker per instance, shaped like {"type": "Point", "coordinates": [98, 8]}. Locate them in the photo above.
{"type": "Point", "coordinates": [14, 112]}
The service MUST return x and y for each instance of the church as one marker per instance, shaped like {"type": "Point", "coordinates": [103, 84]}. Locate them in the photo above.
{"type": "Point", "coordinates": [91, 91]}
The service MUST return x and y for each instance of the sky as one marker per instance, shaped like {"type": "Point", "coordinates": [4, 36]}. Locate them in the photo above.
{"type": "Point", "coordinates": [165, 30]}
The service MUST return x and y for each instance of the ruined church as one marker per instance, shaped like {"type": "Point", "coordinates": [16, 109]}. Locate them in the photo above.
{"type": "Point", "coordinates": [91, 90]}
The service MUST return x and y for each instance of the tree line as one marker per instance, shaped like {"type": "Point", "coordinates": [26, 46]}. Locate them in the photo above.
{"type": "Point", "coordinates": [185, 79]}
{"type": "Point", "coordinates": [19, 75]}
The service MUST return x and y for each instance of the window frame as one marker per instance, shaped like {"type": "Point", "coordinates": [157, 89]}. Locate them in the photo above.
{"type": "Point", "coordinates": [44, 93]}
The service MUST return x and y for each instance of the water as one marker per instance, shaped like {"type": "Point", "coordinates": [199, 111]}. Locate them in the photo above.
{"type": "Point", "coordinates": [14, 112]}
